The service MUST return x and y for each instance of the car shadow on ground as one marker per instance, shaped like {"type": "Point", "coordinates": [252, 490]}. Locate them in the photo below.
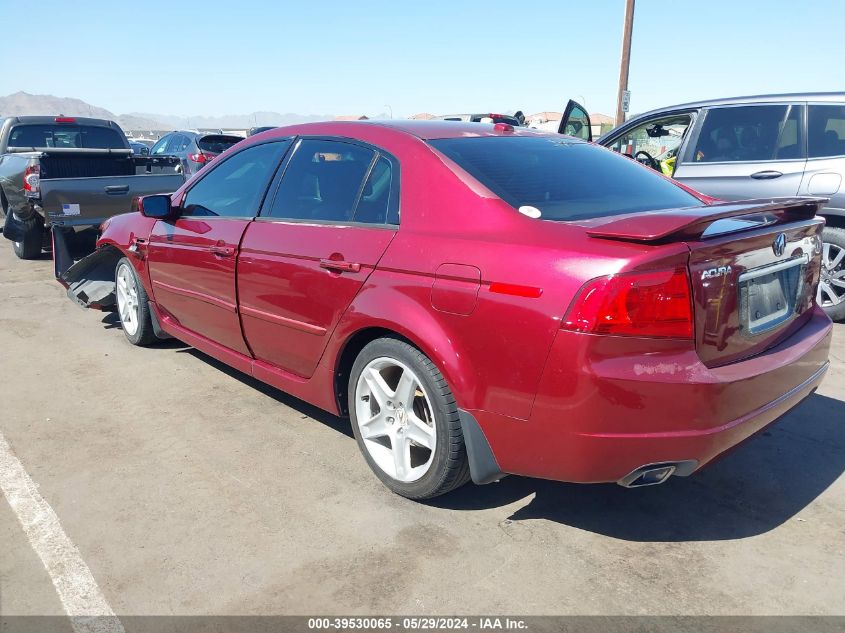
{"type": "Point", "coordinates": [755, 488]}
{"type": "Point", "coordinates": [341, 425]}
{"type": "Point", "coordinates": [111, 320]}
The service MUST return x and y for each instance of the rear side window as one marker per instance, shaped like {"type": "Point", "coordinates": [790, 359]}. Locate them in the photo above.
{"type": "Point", "coordinates": [323, 181]}
{"type": "Point", "coordinates": [750, 134]}
{"type": "Point", "coordinates": [564, 179]}
{"type": "Point", "coordinates": [216, 143]}
{"type": "Point", "coordinates": [66, 136]}
{"type": "Point", "coordinates": [826, 130]}
{"type": "Point", "coordinates": [234, 188]}
{"type": "Point", "coordinates": [375, 199]}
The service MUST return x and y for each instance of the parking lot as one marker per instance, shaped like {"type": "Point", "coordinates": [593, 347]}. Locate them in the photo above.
{"type": "Point", "coordinates": [189, 488]}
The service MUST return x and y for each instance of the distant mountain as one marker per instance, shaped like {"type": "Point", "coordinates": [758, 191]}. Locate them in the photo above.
{"type": "Point", "coordinates": [23, 103]}
{"type": "Point", "coordinates": [242, 121]}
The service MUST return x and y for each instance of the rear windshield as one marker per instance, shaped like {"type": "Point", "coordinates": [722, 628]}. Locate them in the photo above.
{"type": "Point", "coordinates": [66, 135]}
{"type": "Point", "coordinates": [562, 178]}
{"type": "Point", "coordinates": [217, 143]}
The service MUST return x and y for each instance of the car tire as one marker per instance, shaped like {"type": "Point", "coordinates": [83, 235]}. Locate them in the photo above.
{"type": "Point", "coordinates": [33, 240]}
{"type": "Point", "coordinates": [832, 296]}
{"type": "Point", "coordinates": [133, 307]}
{"type": "Point", "coordinates": [419, 419]}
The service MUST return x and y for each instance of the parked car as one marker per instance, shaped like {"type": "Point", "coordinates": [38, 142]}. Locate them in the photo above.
{"type": "Point", "coordinates": [769, 145]}
{"type": "Point", "coordinates": [70, 172]}
{"type": "Point", "coordinates": [194, 149]}
{"type": "Point", "coordinates": [139, 148]}
{"type": "Point", "coordinates": [258, 130]}
{"type": "Point", "coordinates": [478, 118]}
{"type": "Point", "coordinates": [475, 302]}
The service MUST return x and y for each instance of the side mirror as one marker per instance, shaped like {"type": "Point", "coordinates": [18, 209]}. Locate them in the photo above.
{"type": "Point", "coordinates": [157, 207]}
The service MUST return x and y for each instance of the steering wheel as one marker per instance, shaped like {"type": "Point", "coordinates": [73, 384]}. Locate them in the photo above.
{"type": "Point", "coordinates": [649, 160]}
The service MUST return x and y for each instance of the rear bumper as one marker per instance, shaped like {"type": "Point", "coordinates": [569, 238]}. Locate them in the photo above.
{"type": "Point", "coordinates": [606, 407]}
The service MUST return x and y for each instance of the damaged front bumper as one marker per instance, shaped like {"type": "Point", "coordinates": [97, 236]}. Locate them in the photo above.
{"type": "Point", "coordinates": [89, 281]}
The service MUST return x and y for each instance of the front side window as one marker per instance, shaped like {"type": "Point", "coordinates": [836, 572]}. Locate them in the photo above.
{"type": "Point", "coordinates": [563, 179]}
{"type": "Point", "coordinates": [577, 123]}
{"type": "Point", "coordinates": [750, 134]}
{"type": "Point", "coordinates": [160, 146]}
{"type": "Point", "coordinates": [655, 142]}
{"type": "Point", "coordinates": [234, 188]}
{"type": "Point", "coordinates": [323, 181]}
{"type": "Point", "coordinates": [826, 130]}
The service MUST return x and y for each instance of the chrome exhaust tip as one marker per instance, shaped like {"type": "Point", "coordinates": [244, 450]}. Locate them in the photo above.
{"type": "Point", "coordinates": [656, 474]}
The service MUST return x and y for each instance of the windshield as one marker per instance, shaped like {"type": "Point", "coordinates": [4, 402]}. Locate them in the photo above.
{"type": "Point", "coordinates": [562, 178]}
{"type": "Point", "coordinates": [217, 144]}
{"type": "Point", "coordinates": [64, 135]}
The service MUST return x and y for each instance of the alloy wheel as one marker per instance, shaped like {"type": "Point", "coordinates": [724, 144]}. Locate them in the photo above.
{"type": "Point", "coordinates": [127, 299]}
{"type": "Point", "coordinates": [396, 419]}
{"type": "Point", "coordinates": [832, 282]}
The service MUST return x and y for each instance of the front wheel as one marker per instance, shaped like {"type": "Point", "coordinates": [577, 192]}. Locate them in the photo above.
{"type": "Point", "coordinates": [405, 420]}
{"type": "Point", "coordinates": [132, 305]}
{"type": "Point", "coordinates": [831, 295]}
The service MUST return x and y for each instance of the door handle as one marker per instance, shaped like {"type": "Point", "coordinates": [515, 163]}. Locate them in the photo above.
{"type": "Point", "coordinates": [222, 251]}
{"type": "Point", "coordinates": [766, 175]}
{"type": "Point", "coordinates": [116, 190]}
{"type": "Point", "coordinates": [339, 266]}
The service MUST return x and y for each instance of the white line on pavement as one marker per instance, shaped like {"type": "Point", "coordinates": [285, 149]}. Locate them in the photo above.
{"type": "Point", "coordinates": [78, 591]}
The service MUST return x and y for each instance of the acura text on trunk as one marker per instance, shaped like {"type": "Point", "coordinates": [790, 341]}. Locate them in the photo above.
{"type": "Point", "coordinates": [479, 299]}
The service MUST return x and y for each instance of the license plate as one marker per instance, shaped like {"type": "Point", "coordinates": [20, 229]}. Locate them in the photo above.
{"type": "Point", "coordinates": [769, 295]}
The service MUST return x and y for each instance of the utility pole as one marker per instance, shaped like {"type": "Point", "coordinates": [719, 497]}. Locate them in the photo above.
{"type": "Point", "coordinates": [626, 61]}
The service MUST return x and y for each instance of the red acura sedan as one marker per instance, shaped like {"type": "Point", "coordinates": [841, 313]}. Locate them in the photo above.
{"type": "Point", "coordinates": [480, 300]}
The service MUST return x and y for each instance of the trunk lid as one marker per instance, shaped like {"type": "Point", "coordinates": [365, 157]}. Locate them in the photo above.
{"type": "Point", "coordinates": [753, 265]}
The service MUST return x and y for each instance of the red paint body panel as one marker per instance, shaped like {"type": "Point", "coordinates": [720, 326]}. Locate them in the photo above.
{"type": "Point", "coordinates": [290, 303]}
{"type": "Point", "coordinates": [606, 407]}
{"type": "Point", "coordinates": [192, 283]}
{"type": "Point", "coordinates": [552, 403]}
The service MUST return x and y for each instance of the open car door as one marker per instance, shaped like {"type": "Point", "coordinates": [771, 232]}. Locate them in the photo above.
{"type": "Point", "coordinates": [576, 122]}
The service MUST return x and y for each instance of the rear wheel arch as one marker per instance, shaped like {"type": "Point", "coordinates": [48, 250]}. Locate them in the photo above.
{"type": "Point", "coordinates": [349, 352]}
{"type": "Point", "coordinates": [439, 351]}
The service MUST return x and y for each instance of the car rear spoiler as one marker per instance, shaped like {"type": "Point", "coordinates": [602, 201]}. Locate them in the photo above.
{"type": "Point", "coordinates": [692, 222]}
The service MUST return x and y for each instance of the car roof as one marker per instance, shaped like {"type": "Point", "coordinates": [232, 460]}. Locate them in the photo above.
{"type": "Point", "coordinates": [834, 97]}
{"type": "Point", "coordinates": [47, 119]}
{"type": "Point", "coordinates": [425, 130]}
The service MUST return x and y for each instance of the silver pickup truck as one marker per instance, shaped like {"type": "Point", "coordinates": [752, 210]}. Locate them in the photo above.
{"type": "Point", "coordinates": [69, 174]}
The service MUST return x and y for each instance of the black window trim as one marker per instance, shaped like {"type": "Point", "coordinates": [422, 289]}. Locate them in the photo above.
{"type": "Point", "coordinates": [808, 105]}
{"type": "Point", "coordinates": [393, 208]}
{"type": "Point", "coordinates": [689, 150]}
{"type": "Point", "coordinates": [210, 170]}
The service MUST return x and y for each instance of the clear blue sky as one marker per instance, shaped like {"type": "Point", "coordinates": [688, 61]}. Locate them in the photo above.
{"type": "Point", "coordinates": [328, 57]}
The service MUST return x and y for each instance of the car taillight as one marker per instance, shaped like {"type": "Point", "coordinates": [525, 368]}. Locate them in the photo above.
{"type": "Point", "coordinates": [201, 158]}
{"type": "Point", "coordinates": [32, 181]}
{"type": "Point", "coordinates": [650, 304]}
